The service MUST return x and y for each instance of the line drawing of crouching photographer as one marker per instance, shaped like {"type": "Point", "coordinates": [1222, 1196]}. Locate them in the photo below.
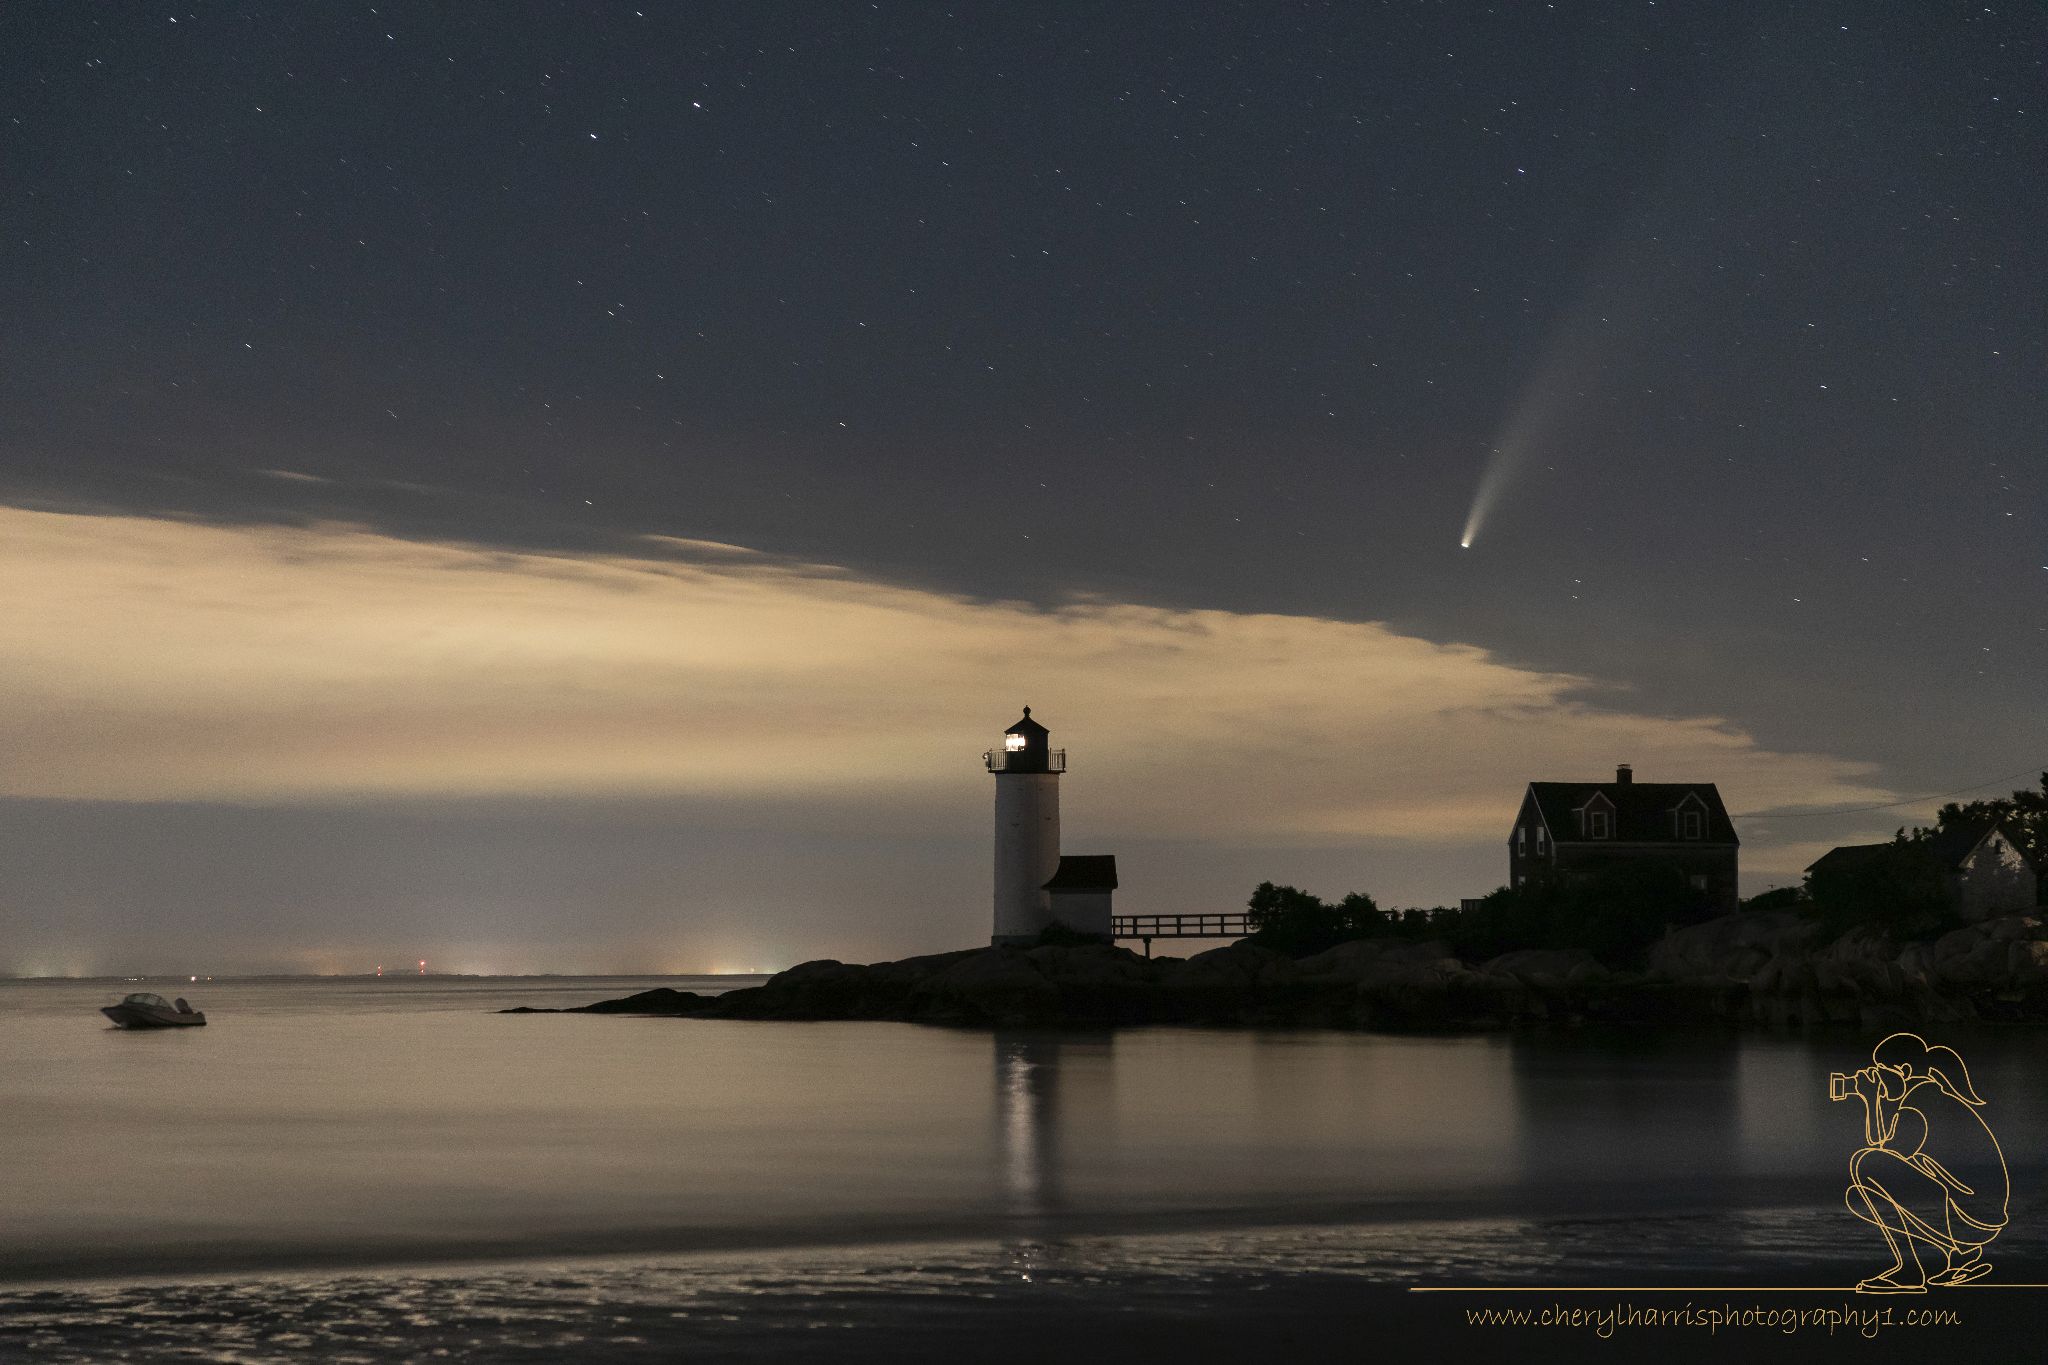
{"type": "Point", "coordinates": [1931, 1173]}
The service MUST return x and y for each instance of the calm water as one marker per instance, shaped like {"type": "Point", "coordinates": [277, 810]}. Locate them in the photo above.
{"type": "Point", "coordinates": [342, 1128]}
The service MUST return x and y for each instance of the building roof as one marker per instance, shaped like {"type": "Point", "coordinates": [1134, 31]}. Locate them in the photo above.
{"type": "Point", "coordinates": [2013, 837]}
{"type": "Point", "coordinates": [1642, 810]}
{"type": "Point", "coordinates": [1847, 856]}
{"type": "Point", "coordinates": [1084, 872]}
{"type": "Point", "coordinates": [1026, 726]}
{"type": "Point", "coordinates": [1950, 846]}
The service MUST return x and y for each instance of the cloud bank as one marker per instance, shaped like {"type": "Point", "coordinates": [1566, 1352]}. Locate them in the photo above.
{"type": "Point", "coordinates": [162, 661]}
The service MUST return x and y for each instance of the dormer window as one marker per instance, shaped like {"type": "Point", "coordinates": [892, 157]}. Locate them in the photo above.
{"type": "Point", "coordinates": [1013, 743]}
{"type": "Point", "coordinates": [1690, 825]}
{"type": "Point", "coordinates": [1597, 826]}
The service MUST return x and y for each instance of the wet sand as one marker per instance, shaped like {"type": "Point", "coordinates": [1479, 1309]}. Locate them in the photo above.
{"type": "Point", "coordinates": [1339, 1292]}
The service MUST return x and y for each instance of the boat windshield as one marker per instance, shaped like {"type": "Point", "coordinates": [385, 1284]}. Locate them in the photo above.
{"type": "Point", "coordinates": [148, 998]}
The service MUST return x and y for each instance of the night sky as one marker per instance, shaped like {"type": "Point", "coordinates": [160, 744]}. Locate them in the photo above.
{"type": "Point", "coordinates": [575, 487]}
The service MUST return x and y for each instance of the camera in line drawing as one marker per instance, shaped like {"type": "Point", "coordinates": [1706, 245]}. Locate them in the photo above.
{"type": "Point", "coordinates": [1930, 1174]}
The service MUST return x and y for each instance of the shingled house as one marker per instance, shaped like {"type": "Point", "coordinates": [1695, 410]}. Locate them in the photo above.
{"type": "Point", "coordinates": [1574, 828]}
{"type": "Point", "coordinates": [1985, 868]}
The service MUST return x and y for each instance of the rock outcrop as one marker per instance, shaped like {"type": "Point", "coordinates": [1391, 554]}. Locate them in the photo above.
{"type": "Point", "coordinates": [1762, 968]}
{"type": "Point", "coordinates": [661, 1000]}
{"type": "Point", "coordinates": [1771, 968]}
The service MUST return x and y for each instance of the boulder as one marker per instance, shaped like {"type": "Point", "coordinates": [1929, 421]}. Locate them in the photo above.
{"type": "Point", "coordinates": [991, 985]}
{"type": "Point", "coordinates": [1345, 962]}
{"type": "Point", "coordinates": [1418, 990]}
{"type": "Point", "coordinates": [912, 969]}
{"type": "Point", "coordinates": [2029, 963]}
{"type": "Point", "coordinates": [1241, 964]}
{"type": "Point", "coordinates": [1862, 964]}
{"type": "Point", "coordinates": [1732, 948]}
{"type": "Point", "coordinates": [1102, 985]}
{"type": "Point", "coordinates": [1371, 959]}
{"type": "Point", "coordinates": [1092, 965]}
{"type": "Point", "coordinates": [823, 989]}
{"type": "Point", "coordinates": [2023, 927]}
{"type": "Point", "coordinates": [1413, 964]}
{"type": "Point", "coordinates": [1547, 969]}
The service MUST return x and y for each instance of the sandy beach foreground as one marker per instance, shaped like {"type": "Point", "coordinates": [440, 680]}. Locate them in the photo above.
{"type": "Point", "coordinates": [1759, 1285]}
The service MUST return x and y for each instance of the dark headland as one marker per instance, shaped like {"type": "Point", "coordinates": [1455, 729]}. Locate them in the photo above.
{"type": "Point", "coordinates": [1761, 967]}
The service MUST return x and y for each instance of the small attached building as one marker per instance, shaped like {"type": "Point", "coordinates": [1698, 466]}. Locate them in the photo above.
{"type": "Point", "coordinates": [1079, 892]}
{"type": "Point", "coordinates": [1568, 829]}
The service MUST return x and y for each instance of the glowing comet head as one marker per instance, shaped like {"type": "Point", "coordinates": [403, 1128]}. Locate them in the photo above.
{"type": "Point", "coordinates": [1499, 465]}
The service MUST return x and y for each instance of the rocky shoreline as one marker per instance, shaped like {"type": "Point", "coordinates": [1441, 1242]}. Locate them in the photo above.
{"type": "Point", "coordinates": [1757, 968]}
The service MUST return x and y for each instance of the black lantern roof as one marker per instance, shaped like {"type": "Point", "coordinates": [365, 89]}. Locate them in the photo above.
{"type": "Point", "coordinates": [1027, 726]}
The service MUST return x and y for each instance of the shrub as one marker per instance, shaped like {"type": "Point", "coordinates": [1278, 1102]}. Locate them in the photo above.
{"type": "Point", "coordinates": [1777, 898]}
{"type": "Point", "coordinates": [1614, 911]}
{"type": "Point", "coordinates": [1058, 935]}
{"type": "Point", "coordinates": [1292, 921]}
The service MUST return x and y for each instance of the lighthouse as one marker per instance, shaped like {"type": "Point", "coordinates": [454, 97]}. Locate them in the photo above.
{"type": "Point", "coordinates": [1027, 771]}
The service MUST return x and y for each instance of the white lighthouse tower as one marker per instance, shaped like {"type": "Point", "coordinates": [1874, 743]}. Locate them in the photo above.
{"type": "Point", "coordinates": [1027, 771]}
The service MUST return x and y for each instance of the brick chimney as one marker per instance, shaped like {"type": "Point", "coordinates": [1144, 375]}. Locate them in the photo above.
{"type": "Point", "coordinates": [1623, 775]}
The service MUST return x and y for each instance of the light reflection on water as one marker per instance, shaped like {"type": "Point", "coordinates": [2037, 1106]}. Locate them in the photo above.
{"type": "Point", "coordinates": [370, 1122]}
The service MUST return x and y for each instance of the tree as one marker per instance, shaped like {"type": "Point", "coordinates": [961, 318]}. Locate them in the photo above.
{"type": "Point", "coordinates": [2024, 812]}
{"type": "Point", "coordinates": [1293, 921]}
{"type": "Point", "coordinates": [1618, 910]}
{"type": "Point", "coordinates": [1615, 912]}
{"type": "Point", "coordinates": [1777, 898]}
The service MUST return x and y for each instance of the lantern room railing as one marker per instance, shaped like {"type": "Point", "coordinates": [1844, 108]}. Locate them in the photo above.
{"type": "Point", "coordinates": [1024, 761]}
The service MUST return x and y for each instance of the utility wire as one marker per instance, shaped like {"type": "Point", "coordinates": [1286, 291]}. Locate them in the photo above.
{"type": "Point", "coordinates": [1890, 805]}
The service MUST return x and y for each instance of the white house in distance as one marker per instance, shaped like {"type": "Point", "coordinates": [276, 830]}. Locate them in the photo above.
{"type": "Point", "coordinates": [1035, 887]}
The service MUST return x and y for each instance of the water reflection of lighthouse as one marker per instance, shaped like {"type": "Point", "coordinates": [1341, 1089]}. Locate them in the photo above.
{"type": "Point", "coordinates": [1053, 1094]}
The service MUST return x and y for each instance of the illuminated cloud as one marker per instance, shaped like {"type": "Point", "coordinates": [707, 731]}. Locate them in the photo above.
{"type": "Point", "coordinates": [153, 660]}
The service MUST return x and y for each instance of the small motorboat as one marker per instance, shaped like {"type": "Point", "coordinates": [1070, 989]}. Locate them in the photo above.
{"type": "Point", "coordinates": [145, 1009]}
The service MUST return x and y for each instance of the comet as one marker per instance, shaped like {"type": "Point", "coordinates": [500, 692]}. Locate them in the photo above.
{"type": "Point", "coordinates": [1595, 337]}
{"type": "Point", "coordinates": [1575, 362]}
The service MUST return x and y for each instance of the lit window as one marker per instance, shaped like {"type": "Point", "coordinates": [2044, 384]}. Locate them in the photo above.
{"type": "Point", "coordinates": [1012, 743]}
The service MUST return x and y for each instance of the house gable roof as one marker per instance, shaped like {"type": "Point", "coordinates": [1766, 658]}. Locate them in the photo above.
{"type": "Point", "coordinates": [1084, 872]}
{"type": "Point", "coordinates": [1846, 857]}
{"type": "Point", "coordinates": [1642, 810]}
{"type": "Point", "coordinates": [1951, 846]}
